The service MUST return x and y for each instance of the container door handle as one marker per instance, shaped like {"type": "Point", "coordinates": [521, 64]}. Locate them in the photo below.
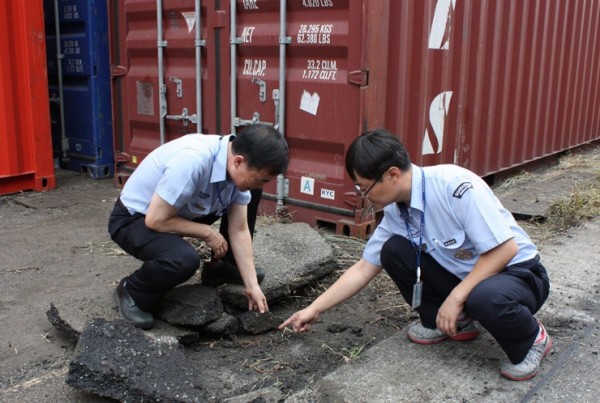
{"type": "Point", "coordinates": [177, 82]}
{"type": "Point", "coordinates": [262, 89]}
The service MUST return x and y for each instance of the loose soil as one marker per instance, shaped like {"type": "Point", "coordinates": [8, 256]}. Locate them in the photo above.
{"type": "Point", "coordinates": [55, 249]}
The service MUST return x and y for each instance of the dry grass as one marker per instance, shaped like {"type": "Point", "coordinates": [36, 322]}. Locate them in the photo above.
{"type": "Point", "coordinates": [517, 179]}
{"type": "Point", "coordinates": [108, 248]}
{"type": "Point", "coordinates": [583, 204]}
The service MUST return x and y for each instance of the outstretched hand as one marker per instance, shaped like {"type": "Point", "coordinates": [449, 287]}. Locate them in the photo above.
{"type": "Point", "coordinates": [301, 321]}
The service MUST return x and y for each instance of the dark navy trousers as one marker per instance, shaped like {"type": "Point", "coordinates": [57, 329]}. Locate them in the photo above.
{"type": "Point", "coordinates": [504, 304]}
{"type": "Point", "coordinates": [169, 260]}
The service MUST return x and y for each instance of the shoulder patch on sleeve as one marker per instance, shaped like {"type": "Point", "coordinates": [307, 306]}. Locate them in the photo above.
{"type": "Point", "coordinates": [462, 189]}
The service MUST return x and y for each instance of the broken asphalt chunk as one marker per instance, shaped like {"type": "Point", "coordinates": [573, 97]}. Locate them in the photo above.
{"type": "Point", "coordinates": [116, 360]}
{"type": "Point", "coordinates": [190, 305]}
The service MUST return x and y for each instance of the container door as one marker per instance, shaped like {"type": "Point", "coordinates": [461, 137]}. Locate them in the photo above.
{"type": "Point", "coordinates": [159, 50]}
{"type": "Point", "coordinates": [299, 65]}
{"type": "Point", "coordinates": [79, 87]}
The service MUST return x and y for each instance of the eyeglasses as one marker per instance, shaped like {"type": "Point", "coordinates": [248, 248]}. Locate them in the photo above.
{"type": "Point", "coordinates": [366, 192]}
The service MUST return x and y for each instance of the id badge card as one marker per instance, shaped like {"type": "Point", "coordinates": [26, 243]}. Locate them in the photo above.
{"type": "Point", "coordinates": [417, 293]}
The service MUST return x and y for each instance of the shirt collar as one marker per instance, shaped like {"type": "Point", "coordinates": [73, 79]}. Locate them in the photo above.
{"type": "Point", "coordinates": [416, 193]}
{"type": "Point", "coordinates": [219, 170]}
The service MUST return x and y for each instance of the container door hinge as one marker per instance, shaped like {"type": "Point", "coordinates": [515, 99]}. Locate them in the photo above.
{"type": "Point", "coordinates": [359, 77]}
{"type": "Point", "coordinates": [283, 187]}
{"type": "Point", "coordinates": [118, 71]}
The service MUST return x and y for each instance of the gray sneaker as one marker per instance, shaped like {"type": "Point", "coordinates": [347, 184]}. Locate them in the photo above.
{"type": "Point", "coordinates": [530, 366]}
{"type": "Point", "coordinates": [467, 330]}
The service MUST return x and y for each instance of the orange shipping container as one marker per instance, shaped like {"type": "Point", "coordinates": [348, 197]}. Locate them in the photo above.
{"type": "Point", "coordinates": [25, 140]}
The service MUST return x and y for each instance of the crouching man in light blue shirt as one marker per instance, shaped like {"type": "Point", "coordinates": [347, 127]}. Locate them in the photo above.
{"type": "Point", "coordinates": [456, 254]}
{"type": "Point", "coordinates": [179, 190]}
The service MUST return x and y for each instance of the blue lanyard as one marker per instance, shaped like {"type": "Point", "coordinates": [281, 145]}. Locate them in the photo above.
{"type": "Point", "coordinates": [418, 248]}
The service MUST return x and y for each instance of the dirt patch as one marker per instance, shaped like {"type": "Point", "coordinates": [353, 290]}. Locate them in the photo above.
{"type": "Point", "coordinates": [289, 361]}
{"type": "Point", "coordinates": [55, 248]}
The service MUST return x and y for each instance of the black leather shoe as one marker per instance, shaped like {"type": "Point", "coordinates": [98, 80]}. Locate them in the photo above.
{"type": "Point", "coordinates": [219, 272]}
{"type": "Point", "coordinates": [129, 310]}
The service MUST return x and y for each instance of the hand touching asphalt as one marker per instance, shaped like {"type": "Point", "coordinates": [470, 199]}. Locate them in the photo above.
{"type": "Point", "coordinates": [301, 321]}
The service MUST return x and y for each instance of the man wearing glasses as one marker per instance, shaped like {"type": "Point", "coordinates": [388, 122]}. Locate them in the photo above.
{"type": "Point", "coordinates": [456, 254]}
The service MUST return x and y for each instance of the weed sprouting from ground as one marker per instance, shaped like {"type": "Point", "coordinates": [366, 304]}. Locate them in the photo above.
{"type": "Point", "coordinates": [266, 365]}
{"type": "Point", "coordinates": [522, 177]}
{"type": "Point", "coordinates": [582, 205]}
{"type": "Point", "coordinates": [347, 354]}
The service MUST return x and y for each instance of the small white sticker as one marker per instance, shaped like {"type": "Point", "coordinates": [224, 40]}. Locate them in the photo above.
{"type": "Point", "coordinates": [327, 194]}
{"type": "Point", "coordinates": [307, 185]}
{"type": "Point", "coordinates": [190, 19]}
{"type": "Point", "coordinates": [310, 103]}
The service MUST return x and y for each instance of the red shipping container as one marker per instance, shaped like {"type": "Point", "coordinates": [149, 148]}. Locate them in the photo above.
{"type": "Point", "coordinates": [25, 141]}
{"type": "Point", "coordinates": [489, 85]}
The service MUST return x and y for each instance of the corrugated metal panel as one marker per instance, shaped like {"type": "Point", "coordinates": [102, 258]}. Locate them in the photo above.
{"type": "Point", "coordinates": [25, 141]}
{"type": "Point", "coordinates": [324, 83]}
{"type": "Point", "coordinates": [137, 89]}
{"type": "Point", "coordinates": [87, 142]}
{"type": "Point", "coordinates": [494, 84]}
{"type": "Point", "coordinates": [323, 95]}
{"type": "Point", "coordinates": [487, 84]}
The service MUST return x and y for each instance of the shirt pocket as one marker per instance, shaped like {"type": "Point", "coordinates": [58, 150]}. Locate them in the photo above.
{"type": "Point", "coordinates": [450, 242]}
{"type": "Point", "coordinates": [456, 246]}
{"type": "Point", "coordinates": [199, 207]}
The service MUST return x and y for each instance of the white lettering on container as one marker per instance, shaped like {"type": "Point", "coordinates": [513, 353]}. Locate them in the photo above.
{"type": "Point", "coordinates": [74, 66]}
{"type": "Point", "coordinates": [247, 34]}
{"type": "Point", "coordinates": [440, 27]}
{"type": "Point", "coordinates": [314, 33]}
{"type": "Point", "coordinates": [317, 3]}
{"type": "Point", "coordinates": [70, 12]}
{"type": "Point", "coordinates": [250, 5]}
{"type": "Point", "coordinates": [438, 111]}
{"type": "Point", "coordinates": [254, 67]}
{"type": "Point", "coordinates": [320, 70]}
{"type": "Point", "coordinates": [71, 47]}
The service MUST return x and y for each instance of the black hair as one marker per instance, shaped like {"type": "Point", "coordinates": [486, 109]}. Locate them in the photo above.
{"type": "Point", "coordinates": [263, 147]}
{"type": "Point", "coordinates": [374, 152]}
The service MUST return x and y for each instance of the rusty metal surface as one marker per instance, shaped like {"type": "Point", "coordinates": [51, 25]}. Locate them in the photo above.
{"type": "Point", "coordinates": [488, 85]}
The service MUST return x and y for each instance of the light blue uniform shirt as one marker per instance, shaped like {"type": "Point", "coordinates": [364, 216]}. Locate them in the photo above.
{"type": "Point", "coordinates": [463, 219]}
{"type": "Point", "coordinates": [189, 173]}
